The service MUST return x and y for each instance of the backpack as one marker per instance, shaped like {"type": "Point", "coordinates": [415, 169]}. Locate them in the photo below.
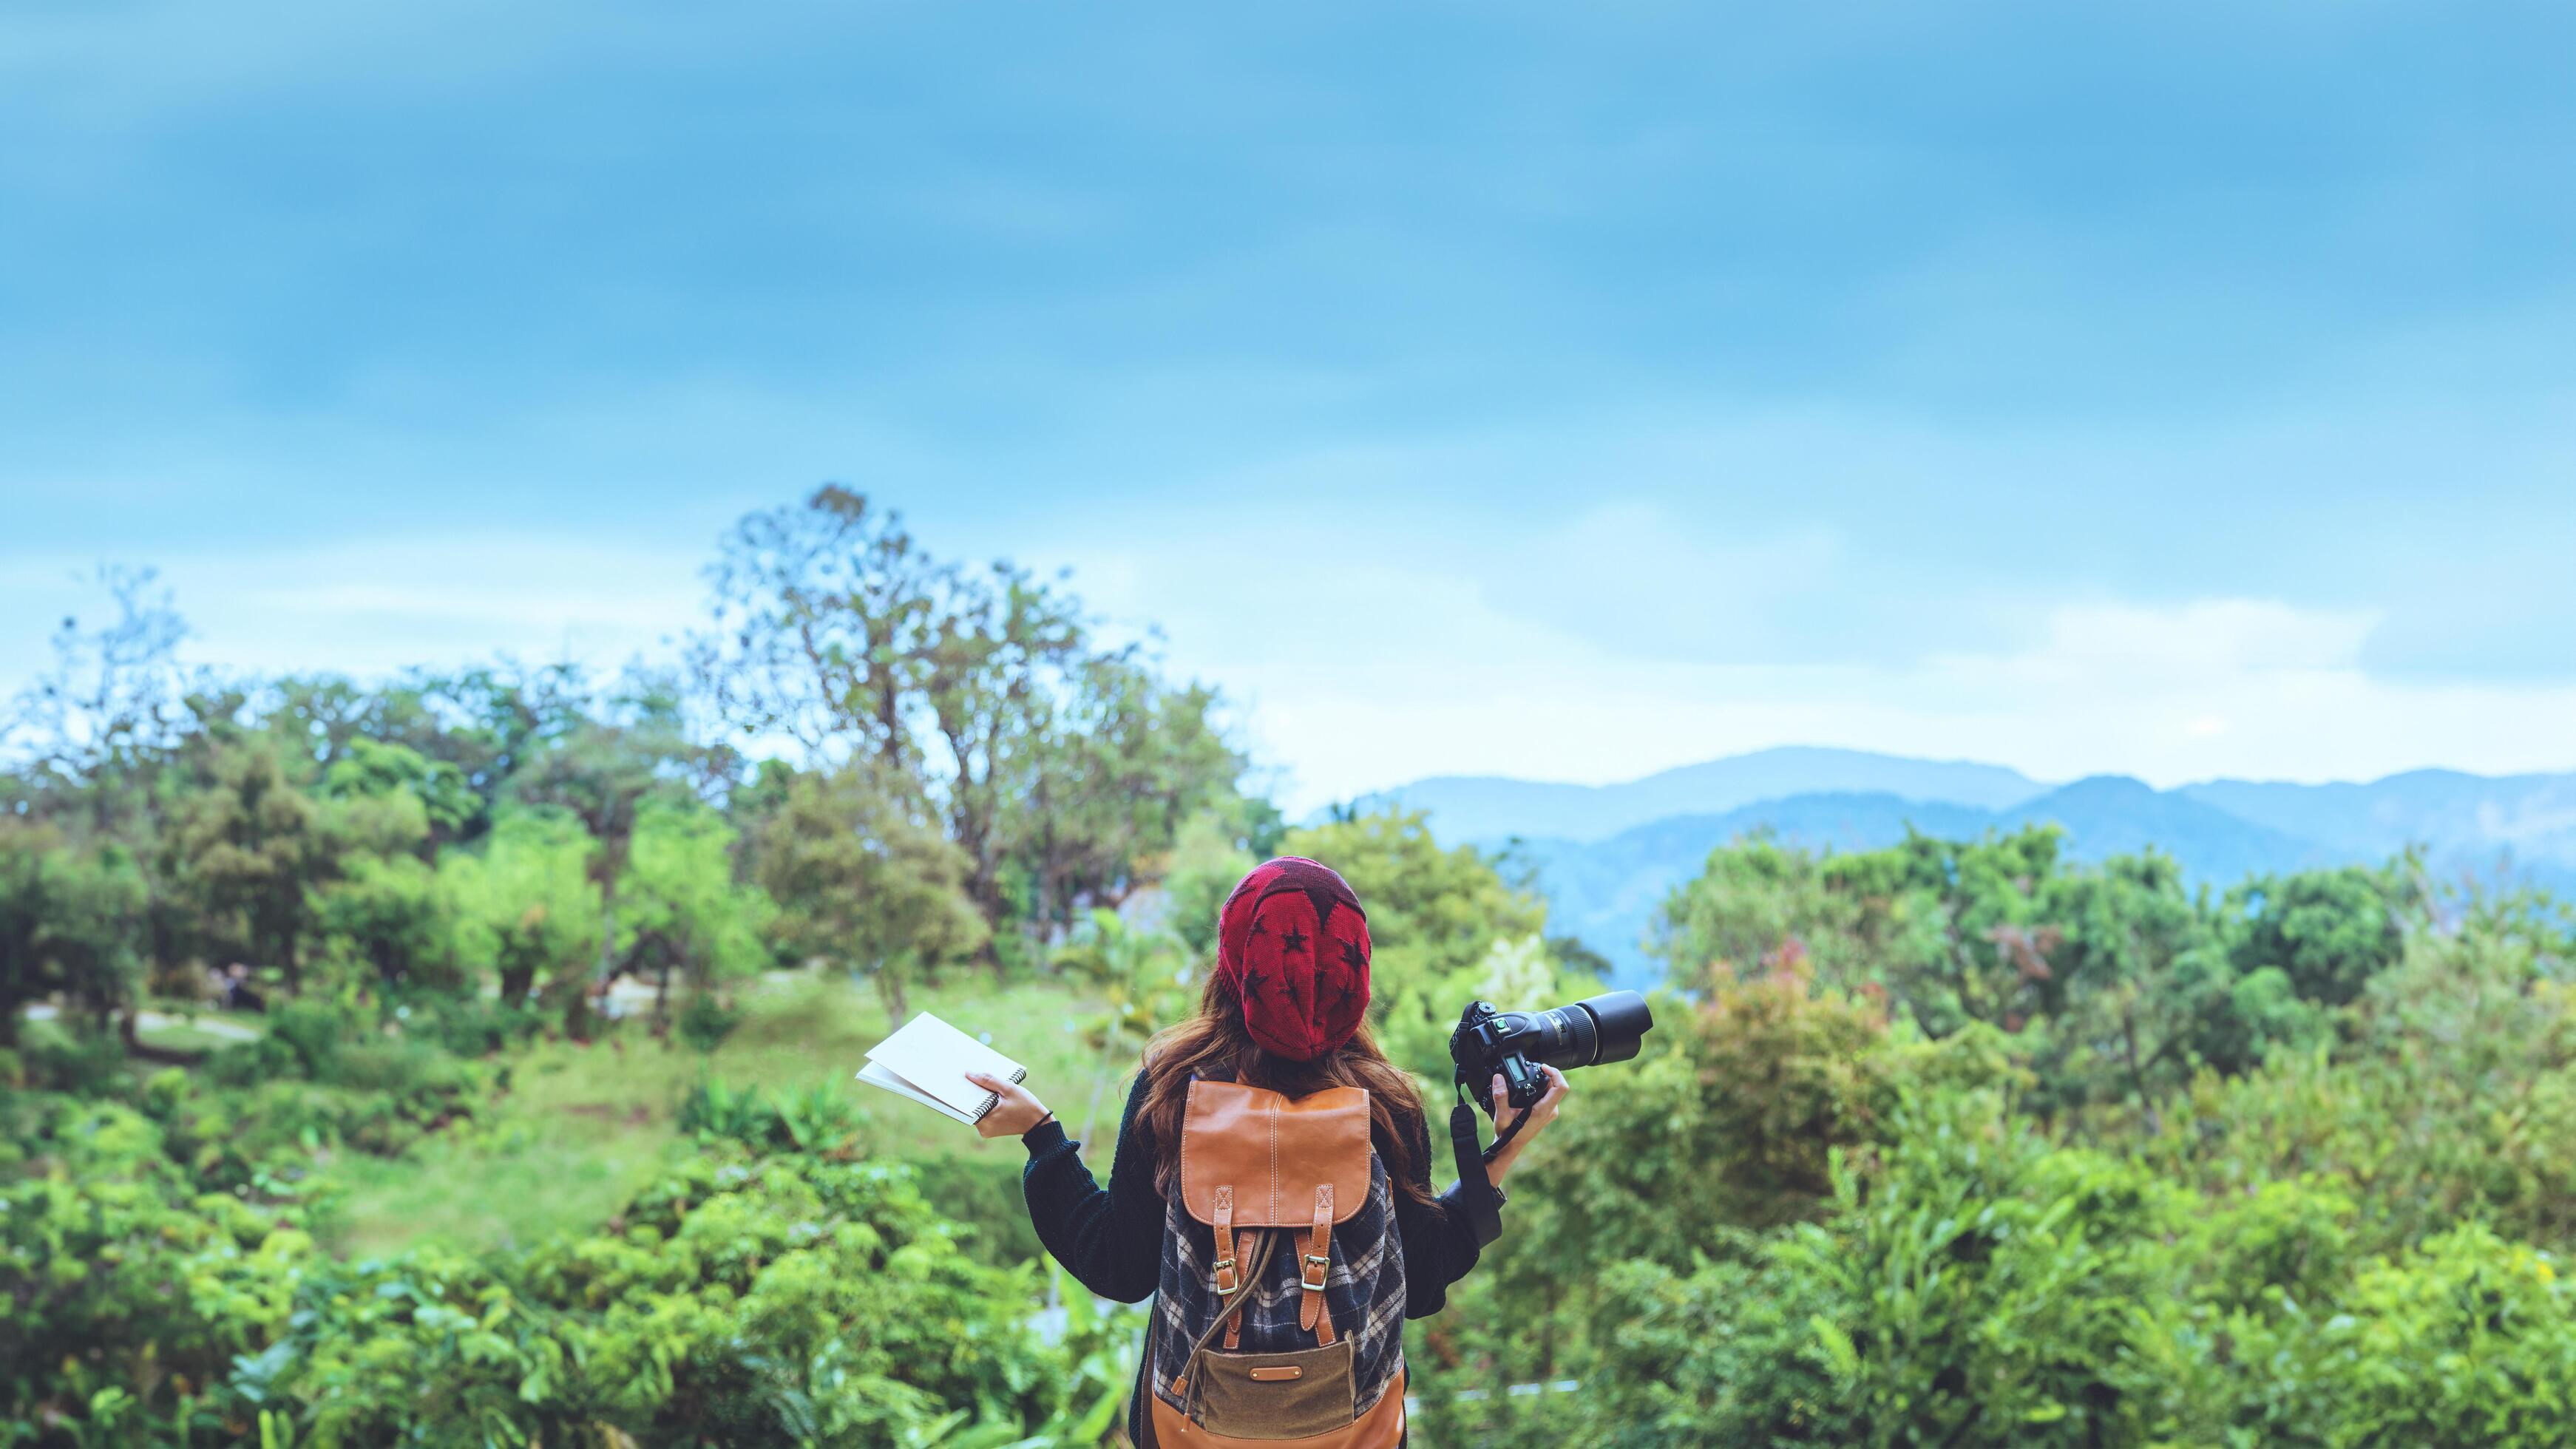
{"type": "Point", "coordinates": [1281, 1311]}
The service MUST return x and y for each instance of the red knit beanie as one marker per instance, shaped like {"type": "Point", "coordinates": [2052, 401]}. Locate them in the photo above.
{"type": "Point", "coordinates": [1293, 943]}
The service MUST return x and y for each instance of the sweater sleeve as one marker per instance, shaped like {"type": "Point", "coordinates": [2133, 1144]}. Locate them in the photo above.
{"type": "Point", "coordinates": [1110, 1239]}
{"type": "Point", "coordinates": [1439, 1243]}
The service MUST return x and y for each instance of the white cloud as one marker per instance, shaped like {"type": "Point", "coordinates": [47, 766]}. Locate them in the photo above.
{"type": "Point", "coordinates": [1355, 666]}
{"type": "Point", "coordinates": [2196, 638]}
{"type": "Point", "coordinates": [371, 606]}
{"type": "Point", "coordinates": [1394, 677]}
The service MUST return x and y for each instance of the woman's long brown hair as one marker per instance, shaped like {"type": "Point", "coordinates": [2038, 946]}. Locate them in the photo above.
{"type": "Point", "coordinates": [1215, 1043]}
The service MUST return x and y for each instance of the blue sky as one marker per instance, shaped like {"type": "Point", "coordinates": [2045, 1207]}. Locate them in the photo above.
{"type": "Point", "coordinates": [1569, 391]}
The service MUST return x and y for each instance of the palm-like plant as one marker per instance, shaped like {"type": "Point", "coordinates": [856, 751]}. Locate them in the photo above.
{"type": "Point", "coordinates": [1142, 978]}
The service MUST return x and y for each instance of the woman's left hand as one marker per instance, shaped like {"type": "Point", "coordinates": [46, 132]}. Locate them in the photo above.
{"type": "Point", "coordinates": [1017, 1111]}
{"type": "Point", "coordinates": [1539, 1116]}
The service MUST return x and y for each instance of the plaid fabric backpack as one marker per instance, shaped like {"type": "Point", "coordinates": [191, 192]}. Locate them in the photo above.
{"type": "Point", "coordinates": [1281, 1313]}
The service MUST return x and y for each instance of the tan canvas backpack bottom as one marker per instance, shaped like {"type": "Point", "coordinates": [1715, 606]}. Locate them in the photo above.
{"type": "Point", "coordinates": [1268, 1409]}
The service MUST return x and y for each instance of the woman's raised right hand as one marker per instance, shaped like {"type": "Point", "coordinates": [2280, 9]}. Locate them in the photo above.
{"type": "Point", "coordinates": [1539, 1116]}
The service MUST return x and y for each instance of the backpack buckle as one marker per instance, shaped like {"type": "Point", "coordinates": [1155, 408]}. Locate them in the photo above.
{"type": "Point", "coordinates": [1318, 1268]}
{"type": "Point", "coordinates": [1224, 1274]}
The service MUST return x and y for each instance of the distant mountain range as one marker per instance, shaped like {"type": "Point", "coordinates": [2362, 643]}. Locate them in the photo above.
{"type": "Point", "coordinates": [1606, 855]}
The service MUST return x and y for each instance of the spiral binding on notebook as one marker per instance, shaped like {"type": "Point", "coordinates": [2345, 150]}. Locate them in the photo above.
{"type": "Point", "coordinates": [993, 1099]}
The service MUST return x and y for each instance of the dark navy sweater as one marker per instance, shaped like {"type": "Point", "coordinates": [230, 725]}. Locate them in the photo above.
{"type": "Point", "coordinates": [1111, 1239]}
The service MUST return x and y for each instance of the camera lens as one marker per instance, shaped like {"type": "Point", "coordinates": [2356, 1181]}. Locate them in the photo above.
{"type": "Point", "coordinates": [1618, 1021]}
{"type": "Point", "coordinates": [1562, 1037]}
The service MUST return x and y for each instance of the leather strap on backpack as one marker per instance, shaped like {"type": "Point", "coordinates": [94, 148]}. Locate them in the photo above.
{"type": "Point", "coordinates": [1232, 1248]}
{"type": "Point", "coordinates": [1222, 1212]}
{"type": "Point", "coordinates": [1316, 1269]}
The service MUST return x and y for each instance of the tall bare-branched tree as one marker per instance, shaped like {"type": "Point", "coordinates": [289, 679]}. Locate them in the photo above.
{"type": "Point", "coordinates": [1054, 765]}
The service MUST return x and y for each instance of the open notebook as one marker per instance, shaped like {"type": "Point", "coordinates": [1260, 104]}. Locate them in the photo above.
{"type": "Point", "coordinates": [927, 1060]}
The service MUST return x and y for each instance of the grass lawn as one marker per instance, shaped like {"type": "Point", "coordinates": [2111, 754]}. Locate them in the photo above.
{"type": "Point", "coordinates": [584, 1126]}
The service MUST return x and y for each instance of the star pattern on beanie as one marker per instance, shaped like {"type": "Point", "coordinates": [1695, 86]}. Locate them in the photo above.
{"type": "Point", "coordinates": [1293, 942]}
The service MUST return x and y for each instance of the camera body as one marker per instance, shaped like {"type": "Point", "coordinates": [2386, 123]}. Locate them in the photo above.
{"type": "Point", "coordinates": [1515, 1044]}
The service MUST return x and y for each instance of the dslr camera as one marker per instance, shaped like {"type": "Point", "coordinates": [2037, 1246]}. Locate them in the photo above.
{"type": "Point", "coordinates": [1514, 1045]}
{"type": "Point", "coordinates": [1600, 1029]}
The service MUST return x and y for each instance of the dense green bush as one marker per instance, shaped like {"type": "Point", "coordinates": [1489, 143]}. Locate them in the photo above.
{"type": "Point", "coordinates": [127, 1290]}
{"type": "Point", "coordinates": [814, 1118]}
{"type": "Point", "coordinates": [1985, 1288]}
{"type": "Point", "coordinates": [740, 1299]}
{"type": "Point", "coordinates": [2319, 1202]}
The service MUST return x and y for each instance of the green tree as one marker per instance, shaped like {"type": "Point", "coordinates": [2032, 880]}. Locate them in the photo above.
{"type": "Point", "coordinates": [2133, 987]}
{"type": "Point", "coordinates": [25, 973]}
{"type": "Point", "coordinates": [384, 808]}
{"type": "Point", "coordinates": [90, 743]}
{"type": "Point", "coordinates": [247, 848]}
{"type": "Point", "coordinates": [70, 923]}
{"type": "Point", "coordinates": [2329, 931]}
{"type": "Point", "coordinates": [861, 879]}
{"type": "Point", "coordinates": [525, 904]}
{"type": "Point", "coordinates": [1958, 926]}
{"type": "Point", "coordinates": [481, 723]}
{"type": "Point", "coordinates": [1111, 779]}
{"type": "Point", "coordinates": [1753, 898]}
{"type": "Point", "coordinates": [603, 775]}
{"type": "Point", "coordinates": [1055, 767]}
{"type": "Point", "coordinates": [389, 913]}
{"type": "Point", "coordinates": [1004, 648]}
{"type": "Point", "coordinates": [823, 619]}
{"type": "Point", "coordinates": [374, 770]}
{"type": "Point", "coordinates": [687, 913]}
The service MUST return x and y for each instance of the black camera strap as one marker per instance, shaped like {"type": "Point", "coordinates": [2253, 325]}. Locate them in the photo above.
{"type": "Point", "coordinates": [1483, 1200]}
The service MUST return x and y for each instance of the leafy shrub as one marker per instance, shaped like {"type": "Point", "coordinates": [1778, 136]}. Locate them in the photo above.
{"type": "Point", "coordinates": [2465, 1340]}
{"type": "Point", "coordinates": [737, 1300]}
{"type": "Point", "coordinates": [126, 1288]}
{"type": "Point", "coordinates": [813, 1118]}
{"type": "Point", "coordinates": [61, 1058]}
{"type": "Point", "coordinates": [787, 1300]}
{"type": "Point", "coordinates": [705, 1020]}
{"type": "Point", "coordinates": [981, 1194]}
{"type": "Point", "coordinates": [2452, 1097]}
{"type": "Point", "coordinates": [323, 1076]}
{"type": "Point", "coordinates": [1983, 1287]}
{"type": "Point", "coordinates": [469, 1025]}
{"type": "Point", "coordinates": [1727, 1347]}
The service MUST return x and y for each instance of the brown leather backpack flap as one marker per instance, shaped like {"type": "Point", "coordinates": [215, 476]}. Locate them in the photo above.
{"type": "Point", "coordinates": [1274, 1153]}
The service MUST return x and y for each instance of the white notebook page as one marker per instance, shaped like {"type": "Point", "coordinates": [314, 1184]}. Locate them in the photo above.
{"type": "Point", "coordinates": [932, 1058]}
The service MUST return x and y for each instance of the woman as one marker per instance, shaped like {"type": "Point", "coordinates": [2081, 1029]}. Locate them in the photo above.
{"type": "Point", "coordinates": [1285, 1009]}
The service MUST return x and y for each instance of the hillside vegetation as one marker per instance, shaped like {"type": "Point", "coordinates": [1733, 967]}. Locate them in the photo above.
{"type": "Point", "coordinates": [1959, 1140]}
{"type": "Point", "coordinates": [1605, 856]}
